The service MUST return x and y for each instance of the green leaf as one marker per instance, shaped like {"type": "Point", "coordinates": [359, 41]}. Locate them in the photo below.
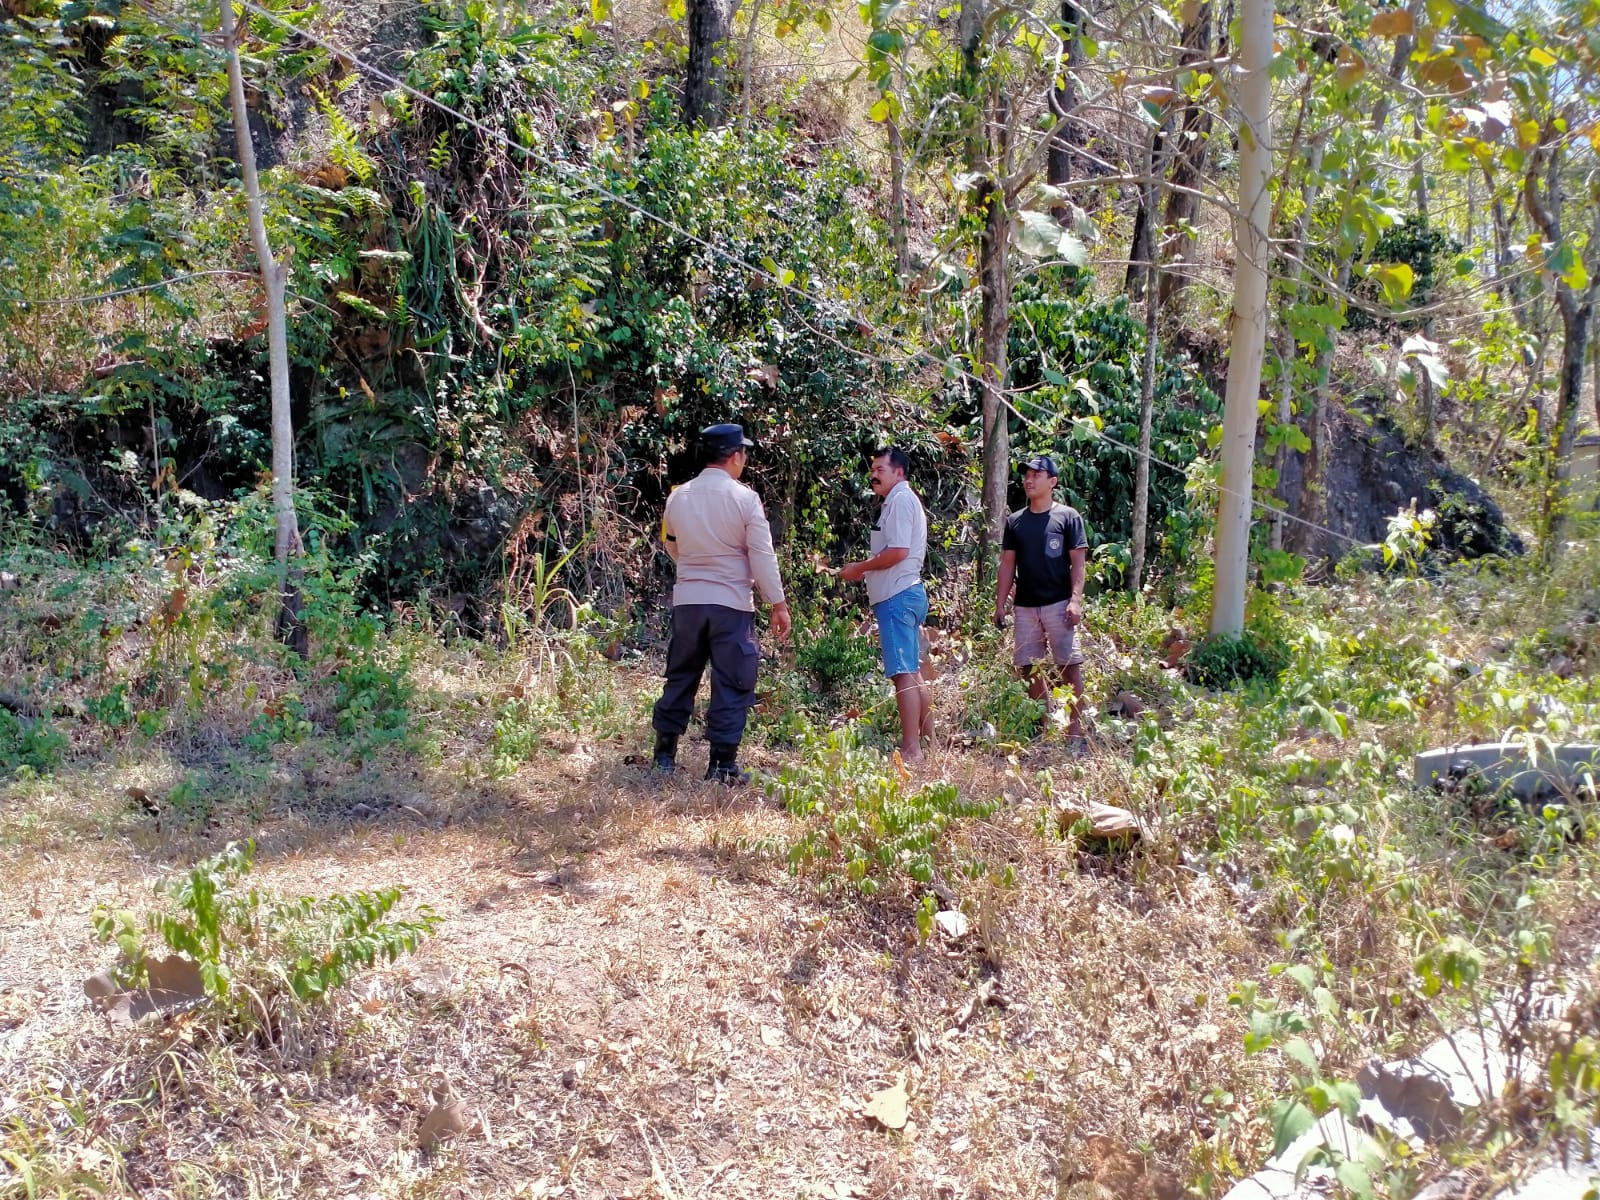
{"type": "Point", "coordinates": [1355, 1178]}
{"type": "Point", "coordinates": [1303, 975]}
{"type": "Point", "coordinates": [1566, 264]}
{"type": "Point", "coordinates": [879, 112]}
{"type": "Point", "coordinates": [1347, 1096]}
{"type": "Point", "coordinates": [1290, 1119]}
{"type": "Point", "coordinates": [1299, 1050]}
{"type": "Point", "coordinates": [1396, 280]}
{"type": "Point", "coordinates": [1039, 236]}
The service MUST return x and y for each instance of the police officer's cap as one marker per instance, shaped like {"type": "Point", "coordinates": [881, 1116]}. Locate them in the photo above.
{"type": "Point", "coordinates": [724, 437]}
{"type": "Point", "coordinates": [1042, 462]}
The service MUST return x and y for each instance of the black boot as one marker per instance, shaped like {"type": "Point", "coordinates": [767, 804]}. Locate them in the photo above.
{"type": "Point", "coordinates": [724, 767]}
{"type": "Point", "coordinates": [666, 755]}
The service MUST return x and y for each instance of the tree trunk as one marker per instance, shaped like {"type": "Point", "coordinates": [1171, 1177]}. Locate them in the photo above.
{"type": "Point", "coordinates": [705, 86]}
{"type": "Point", "coordinates": [1147, 392]}
{"type": "Point", "coordinates": [748, 67]}
{"type": "Point", "coordinates": [1594, 355]}
{"type": "Point", "coordinates": [1249, 318]}
{"type": "Point", "coordinates": [1569, 395]}
{"type": "Point", "coordinates": [1070, 132]}
{"type": "Point", "coordinates": [1142, 249]}
{"type": "Point", "coordinates": [274, 280]}
{"type": "Point", "coordinates": [1544, 200]}
{"type": "Point", "coordinates": [995, 324]}
{"type": "Point", "coordinates": [1426, 399]}
{"type": "Point", "coordinates": [1191, 151]}
{"type": "Point", "coordinates": [987, 153]}
{"type": "Point", "coordinates": [1505, 285]}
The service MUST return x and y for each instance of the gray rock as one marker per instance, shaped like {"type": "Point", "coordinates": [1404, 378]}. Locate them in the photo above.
{"type": "Point", "coordinates": [1433, 1092]}
{"type": "Point", "coordinates": [1452, 1187]}
{"type": "Point", "coordinates": [1272, 1184]}
{"type": "Point", "coordinates": [1556, 1183]}
{"type": "Point", "coordinates": [1530, 772]}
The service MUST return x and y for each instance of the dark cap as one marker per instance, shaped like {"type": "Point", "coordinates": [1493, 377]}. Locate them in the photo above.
{"type": "Point", "coordinates": [1042, 462]}
{"type": "Point", "coordinates": [724, 437]}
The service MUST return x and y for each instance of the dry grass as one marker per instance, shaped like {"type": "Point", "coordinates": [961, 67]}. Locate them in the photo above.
{"type": "Point", "coordinates": [630, 997]}
{"type": "Point", "coordinates": [627, 998]}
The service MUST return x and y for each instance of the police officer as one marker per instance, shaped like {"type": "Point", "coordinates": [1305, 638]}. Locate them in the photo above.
{"type": "Point", "coordinates": [716, 531]}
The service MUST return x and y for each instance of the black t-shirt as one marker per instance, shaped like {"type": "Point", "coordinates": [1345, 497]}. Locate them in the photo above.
{"type": "Point", "coordinates": [1043, 543]}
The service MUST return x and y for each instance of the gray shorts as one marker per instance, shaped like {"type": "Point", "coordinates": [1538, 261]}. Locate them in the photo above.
{"type": "Point", "coordinates": [1035, 626]}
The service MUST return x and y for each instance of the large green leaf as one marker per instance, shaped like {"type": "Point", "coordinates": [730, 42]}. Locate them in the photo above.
{"type": "Point", "coordinates": [1039, 236]}
{"type": "Point", "coordinates": [1290, 1118]}
{"type": "Point", "coordinates": [1568, 266]}
{"type": "Point", "coordinates": [1396, 280]}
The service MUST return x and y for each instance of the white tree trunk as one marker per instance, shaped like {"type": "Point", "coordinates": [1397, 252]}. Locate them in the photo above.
{"type": "Point", "coordinates": [273, 280]}
{"type": "Point", "coordinates": [1249, 318]}
{"type": "Point", "coordinates": [1147, 381]}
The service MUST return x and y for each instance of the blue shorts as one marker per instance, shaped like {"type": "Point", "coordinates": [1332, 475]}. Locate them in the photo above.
{"type": "Point", "coordinates": [900, 619]}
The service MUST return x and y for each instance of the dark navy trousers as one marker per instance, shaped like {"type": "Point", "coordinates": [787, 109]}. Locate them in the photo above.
{"type": "Point", "coordinates": [726, 638]}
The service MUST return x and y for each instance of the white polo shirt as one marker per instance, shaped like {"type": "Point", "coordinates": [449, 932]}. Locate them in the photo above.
{"type": "Point", "coordinates": [901, 523]}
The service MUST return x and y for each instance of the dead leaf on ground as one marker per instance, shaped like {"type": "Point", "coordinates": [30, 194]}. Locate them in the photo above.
{"type": "Point", "coordinates": [891, 1107]}
{"type": "Point", "coordinates": [772, 1035]}
{"type": "Point", "coordinates": [172, 983]}
{"type": "Point", "coordinates": [447, 1119]}
{"type": "Point", "coordinates": [1107, 822]}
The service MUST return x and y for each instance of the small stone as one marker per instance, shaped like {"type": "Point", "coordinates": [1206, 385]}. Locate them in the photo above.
{"type": "Point", "coordinates": [952, 924]}
{"type": "Point", "coordinates": [99, 987]}
{"type": "Point", "coordinates": [1126, 704]}
{"type": "Point", "coordinates": [1452, 1187]}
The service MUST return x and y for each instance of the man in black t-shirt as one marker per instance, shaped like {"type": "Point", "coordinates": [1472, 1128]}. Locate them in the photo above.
{"type": "Point", "coordinates": [1043, 553]}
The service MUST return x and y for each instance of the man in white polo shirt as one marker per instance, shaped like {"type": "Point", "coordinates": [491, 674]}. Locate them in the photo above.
{"type": "Point", "coordinates": [893, 575]}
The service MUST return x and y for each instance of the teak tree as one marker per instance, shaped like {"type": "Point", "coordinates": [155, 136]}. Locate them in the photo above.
{"type": "Point", "coordinates": [274, 279]}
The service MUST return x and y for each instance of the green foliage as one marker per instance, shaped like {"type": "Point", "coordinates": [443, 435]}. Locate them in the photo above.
{"type": "Point", "coordinates": [1080, 359]}
{"type": "Point", "coordinates": [1314, 1093]}
{"type": "Point", "coordinates": [29, 746]}
{"type": "Point", "coordinates": [262, 958]}
{"type": "Point", "coordinates": [1228, 660]}
{"type": "Point", "coordinates": [1419, 248]}
{"type": "Point", "coordinates": [283, 719]}
{"type": "Point", "coordinates": [113, 709]}
{"type": "Point", "coordinates": [520, 727]}
{"type": "Point", "coordinates": [1408, 537]}
{"type": "Point", "coordinates": [372, 687]}
{"type": "Point", "coordinates": [864, 828]}
{"type": "Point", "coordinates": [836, 655]}
{"type": "Point", "coordinates": [997, 708]}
